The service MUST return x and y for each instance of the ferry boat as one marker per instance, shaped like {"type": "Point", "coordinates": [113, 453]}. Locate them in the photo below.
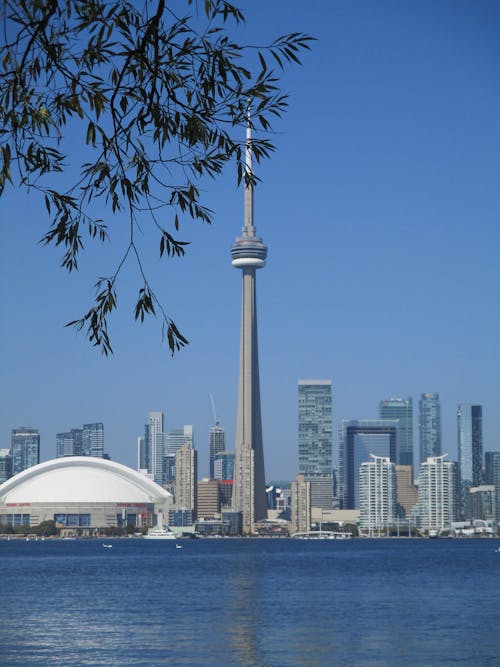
{"type": "Point", "coordinates": [160, 533]}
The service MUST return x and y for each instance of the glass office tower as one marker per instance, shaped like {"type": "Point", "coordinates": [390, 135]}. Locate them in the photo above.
{"type": "Point", "coordinates": [315, 439]}
{"type": "Point", "coordinates": [402, 410]}
{"type": "Point", "coordinates": [429, 426]}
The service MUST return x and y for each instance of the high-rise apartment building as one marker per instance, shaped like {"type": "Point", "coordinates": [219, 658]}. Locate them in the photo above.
{"type": "Point", "coordinates": [438, 494]}
{"type": "Point", "coordinates": [174, 440]}
{"type": "Point", "coordinates": [217, 443]}
{"type": "Point", "coordinates": [359, 439]}
{"type": "Point", "coordinates": [377, 495]}
{"type": "Point", "coordinates": [429, 426]}
{"type": "Point", "coordinates": [492, 477]}
{"type": "Point", "coordinates": [470, 443]}
{"type": "Point", "coordinates": [93, 440]}
{"type": "Point", "coordinates": [249, 254]}
{"type": "Point", "coordinates": [301, 505]}
{"type": "Point", "coordinates": [5, 465]}
{"type": "Point", "coordinates": [402, 410]}
{"type": "Point", "coordinates": [315, 439]}
{"type": "Point", "coordinates": [24, 448]}
{"type": "Point", "coordinates": [69, 443]}
{"type": "Point", "coordinates": [208, 502]}
{"type": "Point", "coordinates": [186, 473]}
{"type": "Point", "coordinates": [156, 446]}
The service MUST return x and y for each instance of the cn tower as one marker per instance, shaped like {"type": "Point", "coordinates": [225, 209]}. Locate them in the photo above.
{"type": "Point", "coordinates": [249, 254]}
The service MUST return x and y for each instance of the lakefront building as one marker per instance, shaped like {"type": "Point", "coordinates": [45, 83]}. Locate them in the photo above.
{"type": "Point", "coordinates": [249, 254]}
{"type": "Point", "coordinates": [438, 494]}
{"type": "Point", "coordinates": [377, 495]}
{"type": "Point", "coordinates": [315, 439]}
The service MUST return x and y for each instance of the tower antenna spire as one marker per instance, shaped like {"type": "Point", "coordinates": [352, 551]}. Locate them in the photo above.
{"type": "Point", "coordinates": [248, 228]}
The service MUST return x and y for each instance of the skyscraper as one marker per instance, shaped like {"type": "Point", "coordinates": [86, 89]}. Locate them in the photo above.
{"type": "Point", "coordinates": [315, 439]}
{"type": "Point", "coordinates": [402, 410]}
{"type": "Point", "coordinates": [438, 493]}
{"type": "Point", "coordinates": [249, 254]}
{"type": "Point", "coordinates": [186, 473]}
{"type": "Point", "coordinates": [429, 426]}
{"type": "Point", "coordinates": [359, 438]}
{"type": "Point", "coordinates": [377, 494]}
{"type": "Point", "coordinates": [24, 448]}
{"type": "Point", "coordinates": [156, 437]}
{"type": "Point", "coordinates": [93, 439]}
{"type": "Point", "coordinates": [470, 443]}
{"type": "Point", "coordinates": [69, 443]}
{"type": "Point", "coordinates": [217, 443]}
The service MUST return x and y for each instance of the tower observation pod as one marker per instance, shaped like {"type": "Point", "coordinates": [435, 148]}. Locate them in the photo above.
{"type": "Point", "coordinates": [248, 254]}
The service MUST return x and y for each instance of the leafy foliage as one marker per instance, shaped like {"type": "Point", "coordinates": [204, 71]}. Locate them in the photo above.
{"type": "Point", "coordinates": [156, 98]}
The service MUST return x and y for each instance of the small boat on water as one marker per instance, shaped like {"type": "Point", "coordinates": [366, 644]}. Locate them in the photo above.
{"type": "Point", "coordinates": [107, 546]}
{"type": "Point", "coordinates": [178, 546]}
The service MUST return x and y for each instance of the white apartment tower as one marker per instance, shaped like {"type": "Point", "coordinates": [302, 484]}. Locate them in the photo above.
{"type": "Point", "coordinates": [377, 494]}
{"type": "Point", "coordinates": [438, 496]}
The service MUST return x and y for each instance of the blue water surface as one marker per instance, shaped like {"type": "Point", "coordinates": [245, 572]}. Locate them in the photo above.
{"type": "Point", "coordinates": [250, 602]}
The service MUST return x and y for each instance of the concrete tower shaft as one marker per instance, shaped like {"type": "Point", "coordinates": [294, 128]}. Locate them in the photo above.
{"type": "Point", "coordinates": [248, 254]}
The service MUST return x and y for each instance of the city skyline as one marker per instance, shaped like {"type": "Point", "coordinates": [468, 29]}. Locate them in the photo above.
{"type": "Point", "coordinates": [404, 181]}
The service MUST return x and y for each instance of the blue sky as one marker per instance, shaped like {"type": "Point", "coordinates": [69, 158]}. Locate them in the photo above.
{"type": "Point", "coordinates": [380, 210]}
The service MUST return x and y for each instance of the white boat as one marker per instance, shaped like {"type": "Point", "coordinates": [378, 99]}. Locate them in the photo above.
{"type": "Point", "coordinates": [160, 533]}
{"type": "Point", "coordinates": [107, 546]}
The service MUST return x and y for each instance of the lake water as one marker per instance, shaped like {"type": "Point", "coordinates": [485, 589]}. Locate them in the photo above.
{"type": "Point", "coordinates": [253, 602]}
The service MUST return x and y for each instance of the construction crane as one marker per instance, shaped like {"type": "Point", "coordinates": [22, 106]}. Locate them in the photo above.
{"type": "Point", "coordinates": [216, 419]}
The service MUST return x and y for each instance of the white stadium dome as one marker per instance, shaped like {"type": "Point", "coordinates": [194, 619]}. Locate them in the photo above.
{"type": "Point", "coordinates": [84, 492]}
{"type": "Point", "coordinates": [81, 479]}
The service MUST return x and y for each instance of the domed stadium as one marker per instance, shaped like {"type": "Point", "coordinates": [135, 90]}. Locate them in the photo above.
{"type": "Point", "coordinates": [81, 493]}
